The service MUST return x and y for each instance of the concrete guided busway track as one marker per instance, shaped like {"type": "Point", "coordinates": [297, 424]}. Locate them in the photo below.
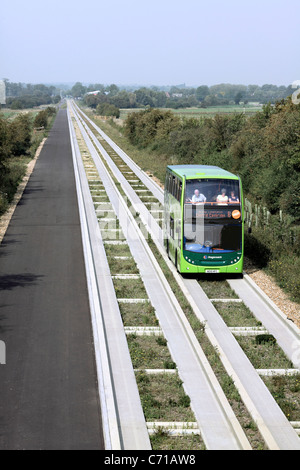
{"type": "Point", "coordinates": [277, 431]}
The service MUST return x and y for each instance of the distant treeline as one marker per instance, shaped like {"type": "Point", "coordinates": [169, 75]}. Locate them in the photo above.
{"type": "Point", "coordinates": [20, 95]}
{"type": "Point", "coordinates": [24, 96]}
{"type": "Point", "coordinates": [176, 97]}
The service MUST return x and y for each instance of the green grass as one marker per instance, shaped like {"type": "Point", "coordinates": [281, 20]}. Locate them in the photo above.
{"type": "Point", "coordinates": [163, 397]}
{"type": "Point", "coordinates": [122, 266]}
{"type": "Point", "coordinates": [264, 355]}
{"type": "Point", "coordinates": [139, 314]}
{"type": "Point", "coordinates": [130, 289]}
{"type": "Point", "coordinates": [149, 352]}
{"type": "Point", "coordinates": [9, 114]}
{"type": "Point", "coordinates": [286, 391]}
{"type": "Point", "coordinates": [117, 250]}
{"type": "Point", "coordinates": [160, 440]}
{"type": "Point", "coordinates": [200, 112]}
{"type": "Point", "coordinates": [216, 287]}
{"type": "Point", "coordinates": [236, 314]}
{"type": "Point", "coordinates": [213, 110]}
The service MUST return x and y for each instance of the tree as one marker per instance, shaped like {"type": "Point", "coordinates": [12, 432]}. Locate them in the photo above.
{"type": "Point", "coordinates": [201, 92]}
{"type": "Point", "coordinates": [112, 89]}
{"type": "Point", "coordinates": [41, 119]}
{"type": "Point", "coordinates": [122, 99]}
{"type": "Point", "coordinates": [143, 97]}
{"type": "Point", "coordinates": [4, 142]}
{"type": "Point", "coordinates": [56, 99]}
{"type": "Point", "coordinates": [106, 109]}
{"type": "Point", "coordinates": [78, 90]}
{"type": "Point", "coordinates": [238, 97]}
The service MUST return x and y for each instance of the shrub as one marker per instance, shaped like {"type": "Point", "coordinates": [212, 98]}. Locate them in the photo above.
{"type": "Point", "coordinates": [15, 170]}
{"type": "Point", "coordinates": [286, 270]}
{"type": "Point", "coordinates": [3, 204]}
{"type": "Point", "coordinates": [19, 134]}
{"type": "Point", "coordinates": [106, 109]}
{"type": "Point", "coordinates": [256, 249]}
{"type": "Point", "coordinates": [41, 119]}
{"type": "Point", "coordinates": [150, 127]}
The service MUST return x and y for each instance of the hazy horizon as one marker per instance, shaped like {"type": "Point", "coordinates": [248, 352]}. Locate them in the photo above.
{"type": "Point", "coordinates": [136, 85]}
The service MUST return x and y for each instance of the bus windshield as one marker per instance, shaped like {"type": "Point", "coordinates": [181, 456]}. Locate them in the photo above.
{"type": "Point", "coordinates": [212, 216]}
{"type": "Point", "coordinates": [212, 191]}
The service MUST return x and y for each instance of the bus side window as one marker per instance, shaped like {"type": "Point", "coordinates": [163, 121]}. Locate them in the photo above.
{"type": "Point", "coordinates": [177, 189]}
{"type": "Point", "coordinates": [180, 191]}
{"type": "Point", "coordinates": [170, 184]}
{"type": "Point", "coordinates": [173, 185]}
{"type": "Point", "coordinates": [167, 183]}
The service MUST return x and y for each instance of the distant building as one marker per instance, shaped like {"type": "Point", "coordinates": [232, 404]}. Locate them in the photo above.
{"type": "Point", "coordinates": [94, 92]}
{"type": "Point", "coordinates": [2, 92]}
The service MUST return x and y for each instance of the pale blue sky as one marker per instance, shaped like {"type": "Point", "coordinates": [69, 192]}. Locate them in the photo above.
{"type": "Point", "coordinates": [157, 42]}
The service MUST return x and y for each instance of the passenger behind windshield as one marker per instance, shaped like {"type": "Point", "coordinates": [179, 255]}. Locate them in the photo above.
{"type": "Point", "coordinates": [197, 197]}
{"type": "Point", "coordinates": [233, 197]}
{"type": "Point", "coordinates": [222, 199]}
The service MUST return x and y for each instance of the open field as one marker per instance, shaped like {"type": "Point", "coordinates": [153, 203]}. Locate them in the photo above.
{"type": "Point", "coordinates": [202, 112]}
{"type": "Point", "coordinates": [12, 113]}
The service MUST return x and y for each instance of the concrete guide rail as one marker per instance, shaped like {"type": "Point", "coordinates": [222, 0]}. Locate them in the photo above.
{"type": "Point", "coordinates": [124, 423]}
{"type": "Point", "coordinates": [274, 426]}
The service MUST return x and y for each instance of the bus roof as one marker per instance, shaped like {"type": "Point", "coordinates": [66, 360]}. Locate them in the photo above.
{"type": "Point", "coordinates": [201, 171]}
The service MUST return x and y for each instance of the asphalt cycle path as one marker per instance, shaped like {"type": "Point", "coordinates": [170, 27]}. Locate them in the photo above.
{"type": "Point", "coordinates": [48, 386]}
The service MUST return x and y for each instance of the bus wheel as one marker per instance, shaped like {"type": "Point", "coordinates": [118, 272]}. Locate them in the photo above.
{"type": "Point", "coordinates": [176, 261]}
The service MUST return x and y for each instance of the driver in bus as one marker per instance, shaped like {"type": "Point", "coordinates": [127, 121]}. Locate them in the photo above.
{"type": "Point", "coordinates": [198, 197]}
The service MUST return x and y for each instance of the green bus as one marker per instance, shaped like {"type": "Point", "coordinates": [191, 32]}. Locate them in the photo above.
{"type": "Point", "coordinates": [203, 219]}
